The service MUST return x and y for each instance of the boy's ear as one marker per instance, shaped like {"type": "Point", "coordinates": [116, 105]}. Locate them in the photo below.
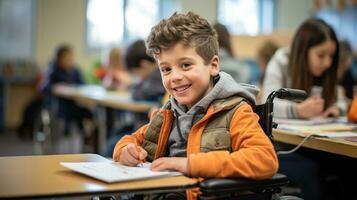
{"type": "Point", "coordinates": [214, 65]}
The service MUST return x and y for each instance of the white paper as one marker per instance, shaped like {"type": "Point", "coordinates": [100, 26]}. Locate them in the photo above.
{"type": "Point", "coordinates": [115, 172]}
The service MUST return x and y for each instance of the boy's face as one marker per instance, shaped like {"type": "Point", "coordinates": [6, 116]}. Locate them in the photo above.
{"type": "Point", "coordinates": [184, 74]}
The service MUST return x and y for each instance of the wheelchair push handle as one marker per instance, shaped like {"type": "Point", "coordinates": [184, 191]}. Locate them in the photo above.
{"type": "Point", "coordinates": [287, 93]}
{"type": "Point", "coordinates": [292, 94]}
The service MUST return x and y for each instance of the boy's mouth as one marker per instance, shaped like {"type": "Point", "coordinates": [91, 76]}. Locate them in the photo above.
{"type": "Point", "coordinates": [182, 88]}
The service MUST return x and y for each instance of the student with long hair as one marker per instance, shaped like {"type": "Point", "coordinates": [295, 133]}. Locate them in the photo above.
{"type": "Point", "coordinates": [311, 65]}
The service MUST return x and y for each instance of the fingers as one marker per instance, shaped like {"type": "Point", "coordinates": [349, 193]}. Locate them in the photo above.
{"type": "Point", "coordinates": [133, 151]}
{"type": "Point", "coordinates": [132, 155]}
{"type": "Point", "coordinates": [142, 154]}
{"type": "Point", "coordinates": [130, 161]}
{"type": "Point", "coordinates": [159, 164]}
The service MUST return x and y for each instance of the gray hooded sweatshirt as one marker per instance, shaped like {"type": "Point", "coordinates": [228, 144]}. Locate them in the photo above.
{"type": "Point", "coordinates": [184, 120]}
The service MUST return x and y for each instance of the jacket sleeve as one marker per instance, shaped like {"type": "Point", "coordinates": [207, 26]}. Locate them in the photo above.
{"type": "Point", "coordinates": [276, 77]}
{"type": "Point", "coordinates": [137, 138]}
{"type": "Point", "coordinates": [253, 155]}
{"type": "Point", "coordinates": [352, 114]}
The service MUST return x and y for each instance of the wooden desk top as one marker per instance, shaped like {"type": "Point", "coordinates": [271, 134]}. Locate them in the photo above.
{"type": "Point", "coordinates": [89, 95]}
{"type": "Point", "coordinates": [332, 145]}
{"type": "Point", "coordinates": [43, 176]}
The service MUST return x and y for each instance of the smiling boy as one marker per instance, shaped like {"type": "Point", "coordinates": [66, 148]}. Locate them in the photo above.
{"type": "Point", "coordinates": [208, 127]}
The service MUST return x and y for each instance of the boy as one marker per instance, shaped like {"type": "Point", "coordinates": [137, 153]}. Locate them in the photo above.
{"type": "Point", "coordinates": [208, 128]}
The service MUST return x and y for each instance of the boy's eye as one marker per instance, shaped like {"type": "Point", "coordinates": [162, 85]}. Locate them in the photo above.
{"type": "Point", "coordinates": [185, 65]}
{"type": "Point", "coordinates": [165, 70]}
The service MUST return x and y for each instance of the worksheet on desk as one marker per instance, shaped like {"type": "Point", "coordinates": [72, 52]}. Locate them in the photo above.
{"type": "Point", "coordinates": [115, 172]}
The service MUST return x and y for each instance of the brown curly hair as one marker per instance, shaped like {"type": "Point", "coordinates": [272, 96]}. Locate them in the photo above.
{"type": "Point", "coordinates": [190, 29]}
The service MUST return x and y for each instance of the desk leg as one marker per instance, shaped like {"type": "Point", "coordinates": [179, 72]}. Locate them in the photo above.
{"type": "Point", "coordinates": [102, 135]}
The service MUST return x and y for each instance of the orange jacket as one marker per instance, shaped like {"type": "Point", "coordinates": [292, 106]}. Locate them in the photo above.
{"type": "Point", "coordinates": [253, 156]}
{"type": "Point", "coordinates": [352, 114]}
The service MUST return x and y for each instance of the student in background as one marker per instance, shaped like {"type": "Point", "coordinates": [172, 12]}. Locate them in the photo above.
{"type": "Point", "coordinates": [344, 72]}
{"type": "Point", "coordinates": [143, 66]}
{"type": "Point", "coordinates": [311, 65]}
{"type": "Point", "coordinates": [264, 54]}
{"type": "Point", "coordinates": [63, 70]}
{"type": "Point", "coordinates": [183, 135]}
{"type": "Point", "coordinates": [148, 88]}
{"type": "Point", "coordinates": [237, 69]}
{"type": "Point", "coordinates": [116, 77]}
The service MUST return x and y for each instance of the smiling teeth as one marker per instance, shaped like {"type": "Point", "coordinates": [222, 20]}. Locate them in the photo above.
{"type": "Point", "coordinates": [182, 88]}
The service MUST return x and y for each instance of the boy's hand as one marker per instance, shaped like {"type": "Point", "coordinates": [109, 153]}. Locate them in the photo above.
{"type": "Point", "coordinates": [132, 155]}
{"type": "Point", "coordinates": [170, 163]}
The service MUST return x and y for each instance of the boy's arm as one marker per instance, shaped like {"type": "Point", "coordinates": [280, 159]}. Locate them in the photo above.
{"type": "Point", "coordinates": [253, 154]}
{"type": "Point", "coordinates": [136, 138]}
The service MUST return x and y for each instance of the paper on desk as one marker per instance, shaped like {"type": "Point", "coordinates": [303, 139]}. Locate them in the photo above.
{"type": "Point", "coordinates": [341, 134]}
{"type": "Point", "coordinates": [318, 121]}
{"type": "Point", "coordinates": [326, 130]}
{"type": "Point", "coordinates": [115, 172]}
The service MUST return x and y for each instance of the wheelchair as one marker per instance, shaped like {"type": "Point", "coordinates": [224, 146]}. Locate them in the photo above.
{"type": "Point", "coordinates": [241, 188]}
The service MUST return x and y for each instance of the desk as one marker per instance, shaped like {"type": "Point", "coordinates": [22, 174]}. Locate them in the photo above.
{"type": "Point", "coordinates": [332, 145]}
{"type": "Point", "coordinates": [90, 95]}
{"type": "Point", "coordinates": [43, 176]}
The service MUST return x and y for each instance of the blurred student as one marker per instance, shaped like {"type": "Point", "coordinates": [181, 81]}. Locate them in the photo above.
{"type": "Point", "coordinates": [116, 77]}
{"type": "Point", "coordinates": [344, 72]}
{"type": "Point", "coordinates": [237, 69]}
{"type": "Point", "coordinates": [183, 135]}
{"type": "Point", "coordinates": [138, 62]}
{"type": "Point", "coordinates": [62, 70]}
{"type": "Point", "coordinates": [148, 88]}
{"type": "Point", "coordinates": [311, 65]}
{"type": "Point", "coordinates": [264, 54]}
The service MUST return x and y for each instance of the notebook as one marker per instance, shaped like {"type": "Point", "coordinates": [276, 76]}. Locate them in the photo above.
{"type": "Point", "coordinates": [111, 172]}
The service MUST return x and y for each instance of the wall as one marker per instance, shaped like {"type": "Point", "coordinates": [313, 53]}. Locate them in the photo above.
{"type": "Point", "coordinates": [64, 21]}
{"type": "Point", "coordinates": [290, 13]}
{"type": "Point", "coordinates": [61, 22]}
{"type": "Point", "coordinates": [206, 8]}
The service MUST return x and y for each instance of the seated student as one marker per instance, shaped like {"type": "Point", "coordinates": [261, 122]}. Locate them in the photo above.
{"type": "Point", "coordinates": [264, 54]}
{"type": "Point", "coordinates": [311, 65]}
{"type": "Point", "coordinates": [208, 120]}
{"type": "Point", "coordinates": [344, 72]}
{"type": "Point", "coordinates": [231, 65]}
{"type": "Point", "coordinates": [63, 70]}
{"type": "Point", "coordinates": [143, 66]}
{"type": "Point", "coordinates": [148, 88]}
{"type": "Point", "coordinates": [116, 76]}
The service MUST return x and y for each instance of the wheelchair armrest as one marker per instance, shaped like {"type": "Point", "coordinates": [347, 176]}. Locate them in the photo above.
{"type": "Point", "coordinates": [227, 185]}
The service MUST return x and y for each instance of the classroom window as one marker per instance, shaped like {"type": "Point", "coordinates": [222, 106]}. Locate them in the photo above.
{"type": "Point", "coordinates": [244, 17]}
{"type": "Point", "coordinates": [342, 21]}
{"type": "Point", "coordinates": [113, 22]}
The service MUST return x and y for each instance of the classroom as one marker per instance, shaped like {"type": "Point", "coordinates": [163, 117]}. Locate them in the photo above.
{"type": "Point", "coordinates": [178, 99]}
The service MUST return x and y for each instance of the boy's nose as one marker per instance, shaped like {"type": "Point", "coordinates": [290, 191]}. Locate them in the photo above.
{"type": "Point", "coordinates": [176, 75]}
